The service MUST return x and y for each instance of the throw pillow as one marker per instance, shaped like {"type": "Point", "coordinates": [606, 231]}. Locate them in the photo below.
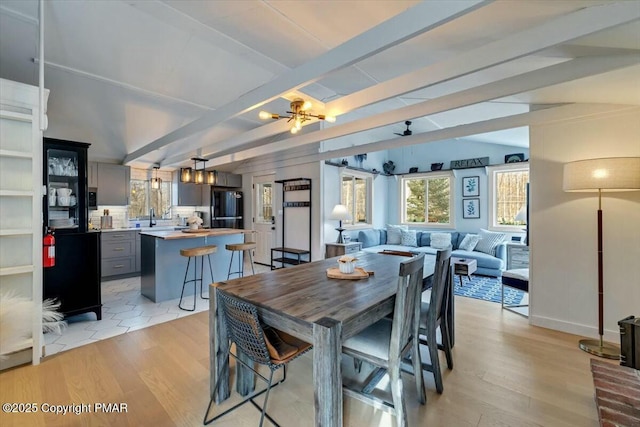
{"type": "Point", "coordinates": [440, 240]}
{"type": "Point", "coordinates": [469, 242]}
{"type": "Point", "coordinates": [394, 233]}
{"type": "Point", "coordinates": [409, 238]}
{"type": "Point", "coordinates": [489, 240]}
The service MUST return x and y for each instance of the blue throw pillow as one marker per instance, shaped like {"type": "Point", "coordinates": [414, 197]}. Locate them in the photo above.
{"type": "Point", "coordinates": [369, 238]}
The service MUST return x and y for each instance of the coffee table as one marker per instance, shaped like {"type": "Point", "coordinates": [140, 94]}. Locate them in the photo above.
{"type": "Point", "coordinates": [464, 267]}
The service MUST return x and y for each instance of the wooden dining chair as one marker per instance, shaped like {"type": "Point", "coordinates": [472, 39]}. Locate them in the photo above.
{"type": "Point", "coordinates": [261, 344]}
{"type": "Point", "coordinates": [385, 343]}
{"type": "Point", "coordinates": [432, 317]}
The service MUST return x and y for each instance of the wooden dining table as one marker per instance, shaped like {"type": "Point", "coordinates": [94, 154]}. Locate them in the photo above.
{"type": "Point", "coordinates": [304, 302]}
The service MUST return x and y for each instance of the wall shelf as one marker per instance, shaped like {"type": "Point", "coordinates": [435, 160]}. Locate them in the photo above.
{"type": "Point", "coordinates": [18, 269]}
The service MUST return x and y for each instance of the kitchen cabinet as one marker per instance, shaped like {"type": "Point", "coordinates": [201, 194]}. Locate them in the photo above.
{"type": "Point", "coordinates": [138, 248]}
{"type": "Point", "coordinates": [21, 200]}
{"type": "Point", "coordinates": [75, 279]}
{"type": "Point", "coordinates": [206, 195]}
{"type": "Point", "coordinates": [118, 253]}
{"type": "Point", "coordinates": [92, 175]}
{"type": "Point", "coordinates": [225, 179]}
{"type": "Point", "coordinates": [186, 193]}
{"type": "Point", "coordinates": [113, 184]}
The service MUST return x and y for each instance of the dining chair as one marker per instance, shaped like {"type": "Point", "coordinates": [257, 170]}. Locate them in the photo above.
{"type": "Point", "coordinates": [260, 343]}
{"type": "Point", "coordinates": [432, 317]}
{"type": "Point", "coordinates": [385, 343]}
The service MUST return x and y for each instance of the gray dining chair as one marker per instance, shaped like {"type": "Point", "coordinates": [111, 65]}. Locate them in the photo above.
{"type": "Point", "coordinates": [261, 344]}
{"type": "Point", "coordinates": [385, 343]}
{"type": "Point", "coordinates": [432, 317]}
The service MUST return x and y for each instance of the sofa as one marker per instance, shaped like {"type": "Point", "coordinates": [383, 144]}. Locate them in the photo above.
{"type": "Point", "coordinates": [375, 240]}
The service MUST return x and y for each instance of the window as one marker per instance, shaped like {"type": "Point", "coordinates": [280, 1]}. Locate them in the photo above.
{"type": "Point", "coordinates": [264, 203]}
{"type": "Point", "coordinates": [428, 200]}
{"type": "Point", "coordinates": [142, 197]}
{"type": "Point", "coordinates": [356, 195]}
{"type": "Point", "coordinates": [507, 196]}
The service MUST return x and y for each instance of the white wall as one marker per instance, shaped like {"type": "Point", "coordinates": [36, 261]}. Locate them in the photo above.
{"type": "Point", "coordinates": [422, 156]}
{"type": "Point", "coordinates": [563, 229]}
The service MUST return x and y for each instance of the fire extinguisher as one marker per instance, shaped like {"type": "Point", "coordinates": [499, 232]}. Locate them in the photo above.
{"type": "Point", "coordinates": [48, 250]}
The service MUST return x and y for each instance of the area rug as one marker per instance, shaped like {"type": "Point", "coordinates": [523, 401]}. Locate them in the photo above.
{"type": "Point", "coordinates": [486, 288]}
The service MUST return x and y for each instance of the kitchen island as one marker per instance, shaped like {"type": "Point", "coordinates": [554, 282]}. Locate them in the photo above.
{"type": "Point", "coordinates": [163, 268]}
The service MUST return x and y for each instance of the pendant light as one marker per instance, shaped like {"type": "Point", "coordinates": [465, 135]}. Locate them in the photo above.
{"type": "Point", "coordinates": [156, 182]}
{"type": "Point", "coordinates": [195, 175]}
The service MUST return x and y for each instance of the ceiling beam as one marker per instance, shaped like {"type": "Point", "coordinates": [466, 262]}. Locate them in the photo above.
{"type": "Point", "coordinates": [533, 118]}
{"type": "Point", "coordinates": [560, 30]}
{"type": "Point", "coordinates": [544, 77]}
{"type": "Point", "coordinates": [414, 21]}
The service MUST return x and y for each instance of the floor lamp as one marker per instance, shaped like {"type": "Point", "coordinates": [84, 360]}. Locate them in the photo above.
{"type": "Point", "coordinates": [607, 174]}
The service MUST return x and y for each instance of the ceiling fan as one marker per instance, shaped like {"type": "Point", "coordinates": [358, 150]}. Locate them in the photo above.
{"type": "Point", "coordinates": [407, 132]}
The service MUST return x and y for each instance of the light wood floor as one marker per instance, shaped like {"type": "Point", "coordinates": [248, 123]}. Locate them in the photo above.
{"type": "Point", "coordinates": [506, 373]}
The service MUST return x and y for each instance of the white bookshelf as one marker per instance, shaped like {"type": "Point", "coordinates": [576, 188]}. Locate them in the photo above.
{"type": "Point", "coordinates": [21, 206]}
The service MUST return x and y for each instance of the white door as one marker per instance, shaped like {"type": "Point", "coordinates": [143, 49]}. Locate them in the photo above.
{"type": "Point", "coordinates": [263, 217]}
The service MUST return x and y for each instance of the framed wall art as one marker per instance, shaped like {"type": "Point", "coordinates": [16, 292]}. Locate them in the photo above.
{"type": "Point", "coordinates": [471, 186]}
{"type": "Point", "coordinates": [471, 208]}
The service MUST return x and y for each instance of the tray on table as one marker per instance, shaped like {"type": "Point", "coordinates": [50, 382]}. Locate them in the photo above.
{"type": "Point", "coordinates": [358, 273]}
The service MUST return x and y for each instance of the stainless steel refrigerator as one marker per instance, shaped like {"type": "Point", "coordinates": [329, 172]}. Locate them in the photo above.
{"type": "Point", "coordinates": [226, 209]}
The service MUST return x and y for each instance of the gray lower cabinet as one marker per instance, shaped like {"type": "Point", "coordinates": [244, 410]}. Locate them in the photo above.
{"type": "Point", "coordinates": [138, 253]}
{"type": "Point", "coordinates": [119, 253]}
{"type": "Point", "coordinates": [113, 184]}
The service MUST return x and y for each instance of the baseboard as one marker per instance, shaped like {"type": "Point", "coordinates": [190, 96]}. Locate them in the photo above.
{"type": "Point", "coordinates": [21, 357]}
{"type": "Point", "coordinates": [612, 336]}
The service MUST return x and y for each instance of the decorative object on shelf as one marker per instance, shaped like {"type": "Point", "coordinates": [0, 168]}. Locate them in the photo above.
{"type": "Point", "coordinates": [605, 174]}
{"type": "Point", "coordinates": [413, 170]}
{"type": "Point", "coordinates": [198, 176]}
{"type": "Point", "coordinates": [436, 166]}
{"type": "Point", "coordinates": [388, 167]}
{"type": "Point", "coordinates": [470, 163]}
{"type": "Point", "coordinates": [194, 222]}
{"type": "Point", "coordinates": [471, 208]}
{"type": "Point", "coordinates": [471, 186]}
{"type": "Point", "coordinates": [156, 182]}
{"type": "Point", "coordinates": [407, 131]}
{"type": "Point", "coordinates": [344, 162]}
{"type": "Point", "coordinates": [514, 158]}
{"type": "Point", "coordinates": [340, 213]}
{"type": "Point", "coordinates": [360, 158]}
{"type": "Point", "coordinates": [298, 114]}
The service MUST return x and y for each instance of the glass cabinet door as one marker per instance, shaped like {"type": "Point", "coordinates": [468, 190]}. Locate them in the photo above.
{"type": "Point", "coordinates": [63, 191]}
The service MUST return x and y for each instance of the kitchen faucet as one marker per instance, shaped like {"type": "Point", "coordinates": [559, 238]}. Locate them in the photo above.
{"type": "Point", "coordinates": [151, 216]}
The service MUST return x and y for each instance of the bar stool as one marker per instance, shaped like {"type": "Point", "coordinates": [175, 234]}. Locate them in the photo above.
{"type": "Point", "coordinates": [241, 248]}
{"type": "Point", "coordinates": [195, 253]}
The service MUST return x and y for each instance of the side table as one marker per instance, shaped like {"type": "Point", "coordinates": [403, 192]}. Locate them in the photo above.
{"type": "Point", "coordinates": [338, 249]}
{"type": "Point", "coordinates": [464, 267]}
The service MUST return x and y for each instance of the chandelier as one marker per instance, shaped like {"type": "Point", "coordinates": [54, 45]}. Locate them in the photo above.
{"type": "Point", "coordinates": [197, 176]}
{"type": "Point", "coordinates": [298, 115]}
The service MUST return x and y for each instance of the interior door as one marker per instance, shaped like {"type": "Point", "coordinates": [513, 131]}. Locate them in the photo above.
{"type": "Point", "coordinates": [264, 217]}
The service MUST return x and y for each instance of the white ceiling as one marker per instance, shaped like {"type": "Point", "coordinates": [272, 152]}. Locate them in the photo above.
{"type": "Point", "coordinates": [127, 74]}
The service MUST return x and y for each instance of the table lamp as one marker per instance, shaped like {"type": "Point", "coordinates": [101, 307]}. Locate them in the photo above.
{"type": "Point", "coordinates": [606, 174]}
{"type": "Point", "coordinates": [340, 213]}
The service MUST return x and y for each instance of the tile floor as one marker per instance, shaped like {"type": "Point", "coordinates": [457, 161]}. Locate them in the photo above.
{"type": "Point", "coordinates": [123, 310]}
